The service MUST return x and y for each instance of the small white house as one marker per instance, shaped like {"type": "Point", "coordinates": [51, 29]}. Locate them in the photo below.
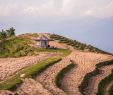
{"type": "Point", "coordinates": [42, 42]}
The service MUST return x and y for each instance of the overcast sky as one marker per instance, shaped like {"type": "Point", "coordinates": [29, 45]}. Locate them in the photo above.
{"type": "Point", "coordinates": [89, 21]}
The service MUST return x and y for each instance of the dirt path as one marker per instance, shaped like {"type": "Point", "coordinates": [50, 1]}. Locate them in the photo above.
{"type": "Point", "coordinates": [86, 63]}
{"type": "Point", "coordinates": [32, 87]}
{"type": "Point", "coordinates": [8, 66]}
{"type": "Point", "coordinates": [47, 78]}
{"type": "Point", "coordinates": [6, 92]}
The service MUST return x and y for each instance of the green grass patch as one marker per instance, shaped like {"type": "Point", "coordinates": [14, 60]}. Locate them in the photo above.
{"type": "Point", "coordinates": [13, 81]}
{"type": "Point", "coordinates": [88, 76]}
{"type": "Point", "coordinates": [20, 46]}
{"type": "Point", "coordinates": [85, 81]}
{"type": "Point", "coordinates": [63, 52]}
{"type": "Point", "coordinates": [111, 89]}
{"type": "Point", "coordinates": [104, 83]}
{"type": "Point", "coordinates": [76, 44]}
{"type": "Point", "coordinates": [61, 74]}
{"type": "Point", "coordinates": [16, 47]}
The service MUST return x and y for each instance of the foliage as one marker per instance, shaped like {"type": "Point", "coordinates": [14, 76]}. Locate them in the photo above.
{"type": "Point", "coordinates": [7, 33]}
{"type": "Point", "coordinates": [13, 81]}
{"type": "Point", "coordinates": [88, 76]}
{"type": "Point", "coordinates": [15, 47]}
{"type": "Point", "coordinates": [111, 89]}
{"type": "Point", "coordinates": [76, 44]}
{"type": "Point", "coordinates": [104, 83]}
{"type": "Point", "coordinates": [3, 34]}
{"type": "Point", "coordinates": [62, 73]}
{"type": "Point", "coordinates": [10, 32]}
{"type": "Point", "coordinates": [19, 46]}
{"type": "Point", "coordinates": [85, 81]}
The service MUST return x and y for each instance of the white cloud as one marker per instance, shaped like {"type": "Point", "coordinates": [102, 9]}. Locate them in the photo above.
{"type": "Point", "coordinates": [30, 10]}
{"type": "Point", "coordinates": [4, 11]}
{"type": "Point", "coordinates": [73, 8]}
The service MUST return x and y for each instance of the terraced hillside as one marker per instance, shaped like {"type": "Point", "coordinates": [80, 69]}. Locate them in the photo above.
{"type": "Point", "coordinates": [76, 44]}
{"type": "Point", "coordinates": [70, 68]}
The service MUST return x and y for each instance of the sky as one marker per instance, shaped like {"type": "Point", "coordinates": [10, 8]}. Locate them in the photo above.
{"type": "Point", "coordinates": [88, 21]}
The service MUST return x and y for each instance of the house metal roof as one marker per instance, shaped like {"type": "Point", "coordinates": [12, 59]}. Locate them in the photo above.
{"type": "Point", "coordinates": [42, 38]}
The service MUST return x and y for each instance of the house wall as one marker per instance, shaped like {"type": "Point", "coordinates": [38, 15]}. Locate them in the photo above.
{"type": "Point", "coordinates": [43, 44]}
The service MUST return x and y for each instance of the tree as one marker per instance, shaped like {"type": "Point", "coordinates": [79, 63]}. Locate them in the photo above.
{"type": "Point", "coordinates": [3, 35]}
{"type": "Point", "coordinates": [10, 32]}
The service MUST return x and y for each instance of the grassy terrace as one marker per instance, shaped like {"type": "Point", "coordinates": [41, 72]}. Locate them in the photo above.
{"type": "Point", "coordinates": [20, 46]}
{"type": "Point", "coordinates": [61, 74]}
{"type": "Point", "coordinates": [11, 82]}
{"type": "Point", "coordinates": [87, 77]}
{"type": "Point", "coordinates": [76, 44]}
{"type": "Point", "coordinates": [104, 83]}
{"type": "Point", "coordinates": [62, 52]}
{"type": "Point", "coordinates": [111, 88]}
{"type": "Point", "coordinates": [16, 47]}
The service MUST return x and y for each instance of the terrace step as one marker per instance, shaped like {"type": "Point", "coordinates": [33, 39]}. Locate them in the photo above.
{"type": "Point", "coordinates": [32, 87]}
{"type": "Point", "coordinates": [86, 62]}
{"type": "Point", "coordinates": [47, 78]}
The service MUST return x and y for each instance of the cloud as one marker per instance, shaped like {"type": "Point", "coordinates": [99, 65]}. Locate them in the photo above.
{"type": "Point", "coordinates": [72, 8]}
{"type": "Point", "coordinates": [52, 7]}
{"type": "Point", "coordinates": [30, 10]}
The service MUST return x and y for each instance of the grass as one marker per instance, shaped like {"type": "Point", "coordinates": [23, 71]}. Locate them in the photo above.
{"type": "Point", "coordinates": [104, 83]}
{"type": "Point", "coordinates": [16, 47]}
{"type": "Point", "coordinates": [61, 74]}
{"type": "Point", "coordinates": [88, 76]}
{"type": "Point", "coordinates": [63, 52]}
{"type": "Point", "coordinates": [13, 81]}
{"type": "Point", "coordinates": [76, 44]}
{"type": "Point", "coordinates": [85, 81]}
{"type": "Point", "coordinates": [20, 46]}
{"type": "Point", "coordinates": [111, 89]}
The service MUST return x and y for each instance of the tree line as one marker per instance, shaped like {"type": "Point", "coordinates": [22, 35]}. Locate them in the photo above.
{"type": "Point", "coordinates": [7, 33]}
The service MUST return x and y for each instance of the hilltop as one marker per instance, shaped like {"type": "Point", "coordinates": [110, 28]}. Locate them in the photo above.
{"type": "Point", "coordinates": [24, 44]}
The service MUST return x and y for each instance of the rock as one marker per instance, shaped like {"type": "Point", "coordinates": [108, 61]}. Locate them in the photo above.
{"type": "Point", "coordinates": [22, 75]}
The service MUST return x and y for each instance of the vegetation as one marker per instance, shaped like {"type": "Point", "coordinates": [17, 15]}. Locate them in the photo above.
{"type": "Point", "coordinates": [76, 44]}
{"type": "Point", "coordinates": [19, 46]}
{"type": "Point", "coordinates": [104, 83]}
{"type": "Point", "coordinates": [61, 74]}
{"type": "Point", "coordinates": [10, 32]}
{"type": "Point", "coordinates": [16, 47]}
{"type": "Point", "coordinates": [7, 33]}
{"type": "Point", "coordinates": [85, 82]}
{"type": "Point", "coordinates": [88, 76]}
{"type": "Point", "coordinates": [111, 88]}
{"type": "Point", "coordinates": [13, 81]}
{"type": "Point", "coordinates": [110, 62]}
